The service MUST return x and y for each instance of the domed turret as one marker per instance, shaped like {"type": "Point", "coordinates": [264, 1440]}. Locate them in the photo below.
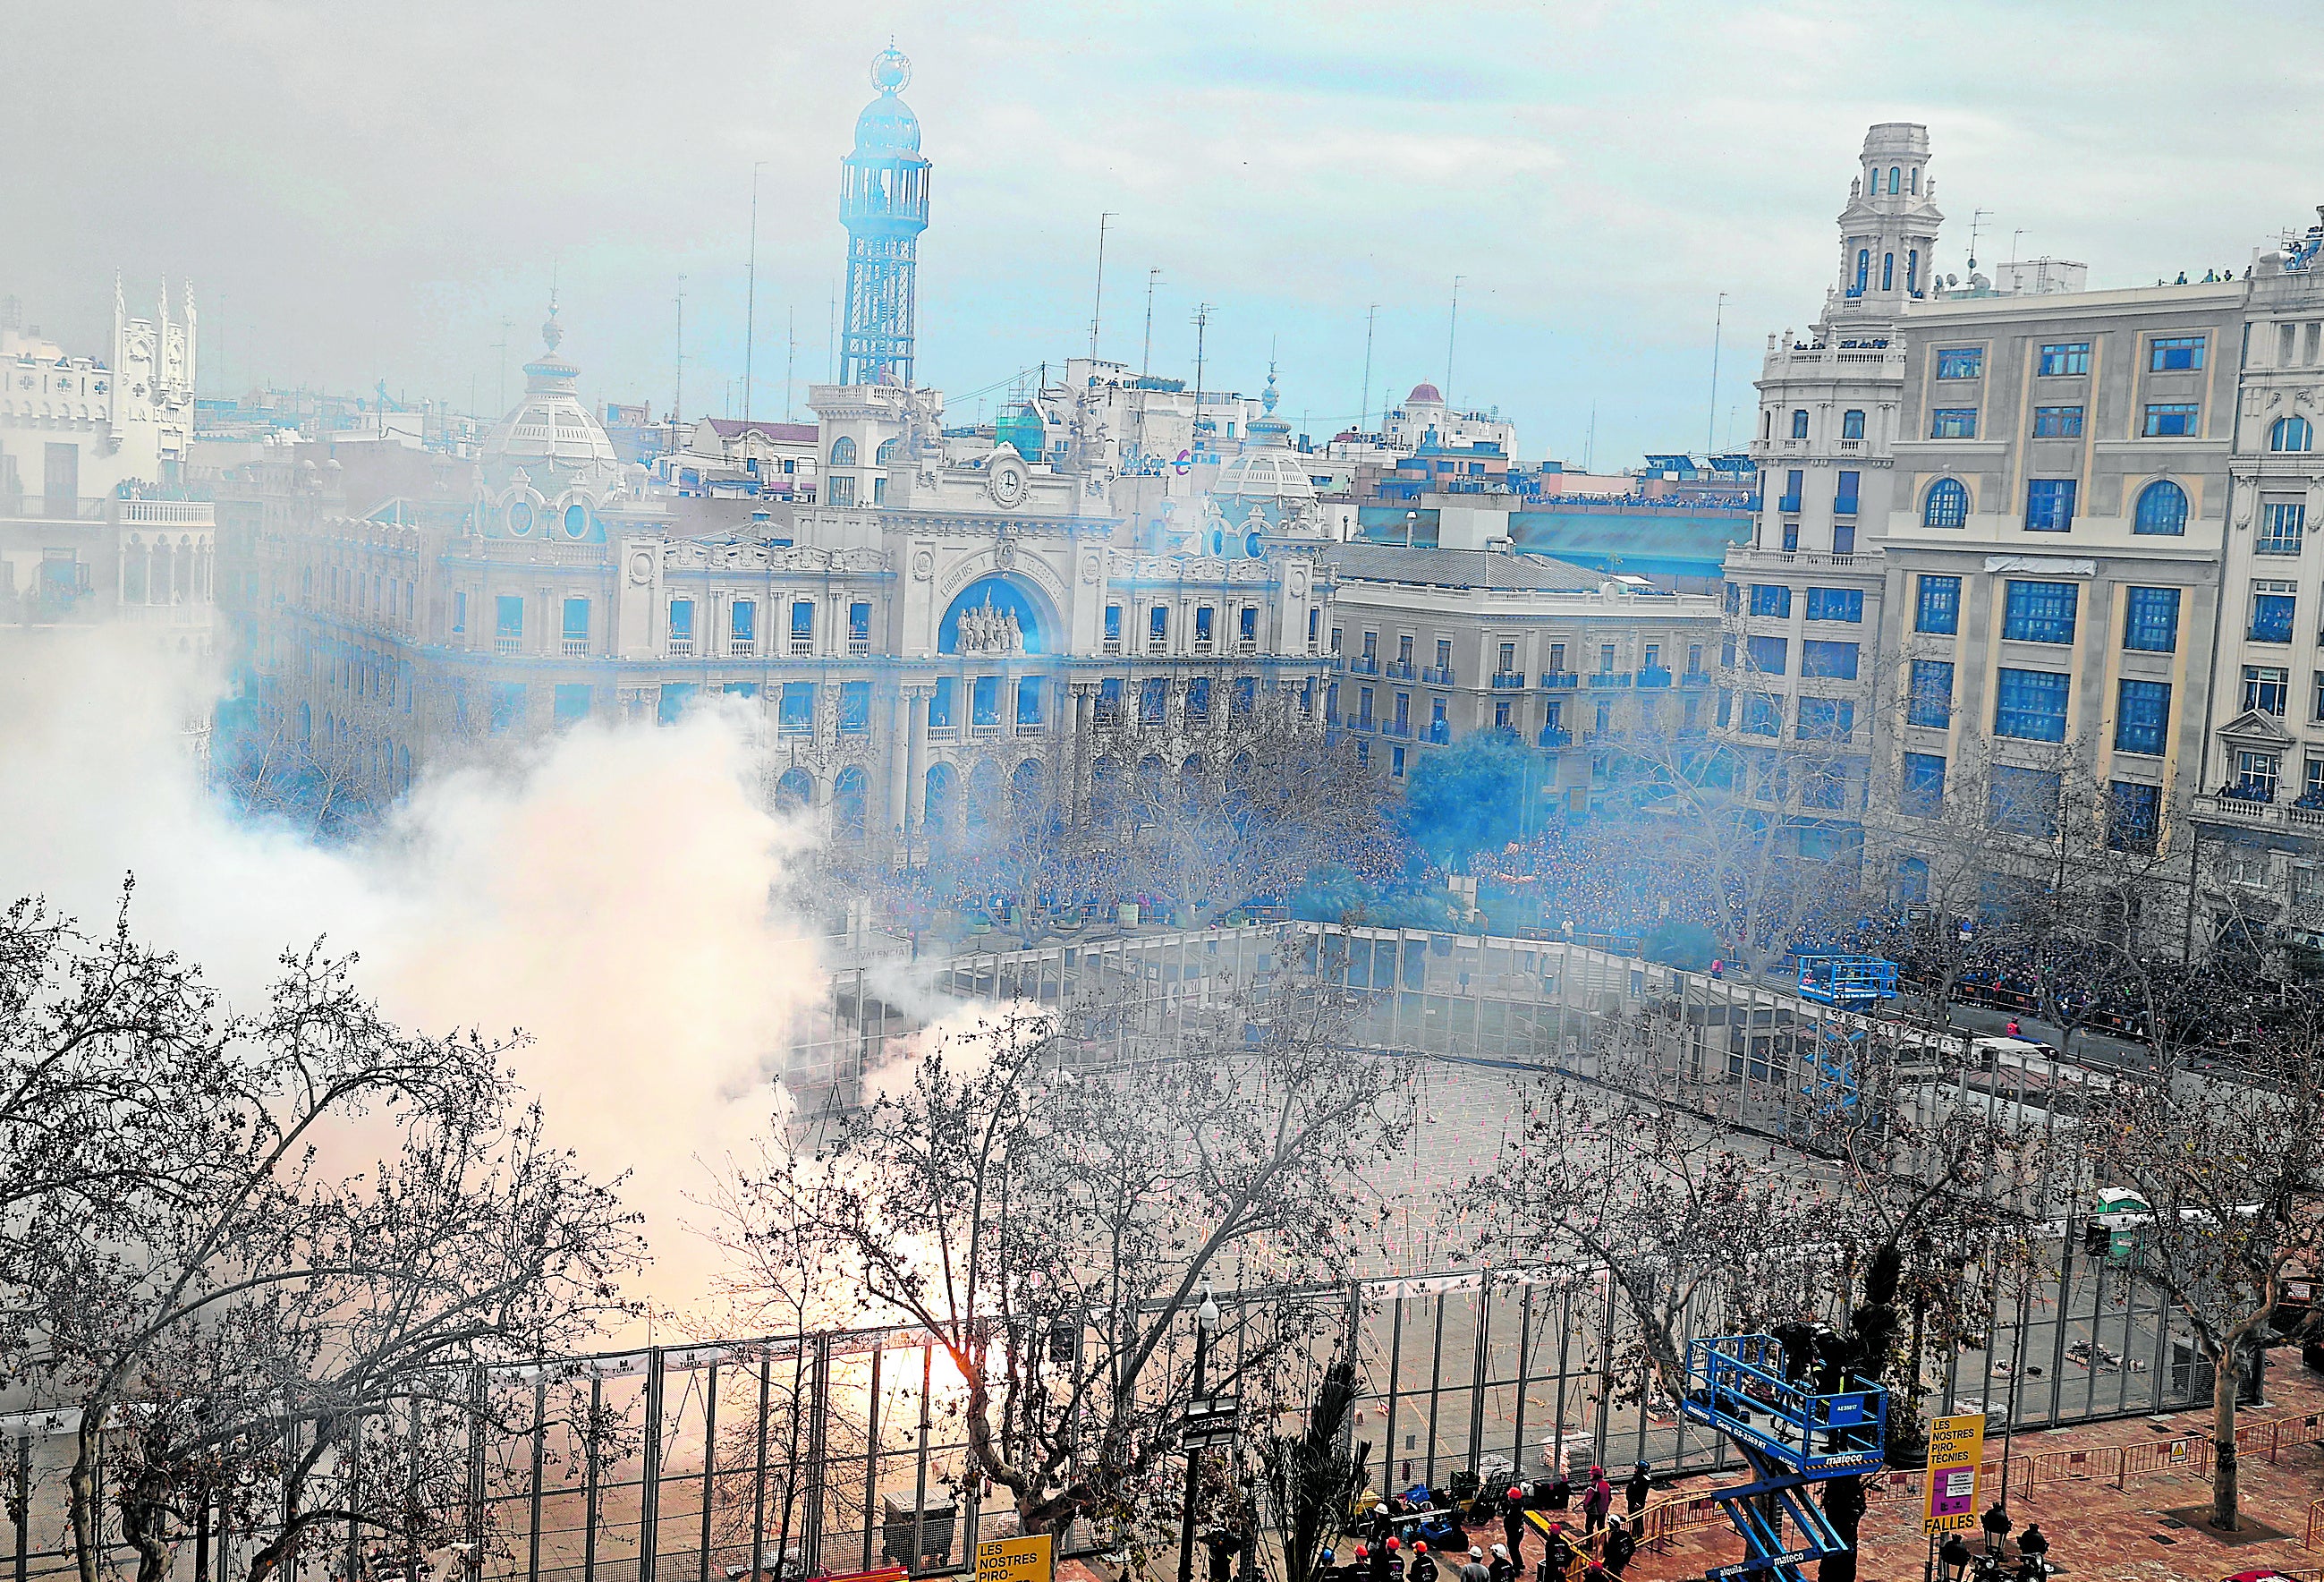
{"type": "Point", "coordinates": [884, 201]}
{"type": "Point", "coordinates": [550, 425]}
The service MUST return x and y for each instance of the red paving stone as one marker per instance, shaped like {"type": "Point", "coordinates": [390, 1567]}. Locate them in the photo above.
{"type": "Point", "coordinates": [2095, 1531]}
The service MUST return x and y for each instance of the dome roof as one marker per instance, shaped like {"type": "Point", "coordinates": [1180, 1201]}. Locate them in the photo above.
{"type": "Point", "coordinates": [1267, 472]}
{"type": "Point", "coordinates": [550, 424]}
{"type": "Point", "coordinates": [1424, 394]}
{"type": "Point", "coordinates": [886, 126]}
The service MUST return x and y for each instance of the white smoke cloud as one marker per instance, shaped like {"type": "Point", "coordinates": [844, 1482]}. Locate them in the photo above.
{"type": "Point", "coordinates": [612, 892]}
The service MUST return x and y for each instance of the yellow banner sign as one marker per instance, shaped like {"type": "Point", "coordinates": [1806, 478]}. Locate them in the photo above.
{"type": "Point", "coordinates": [1955, 1448]}
{"type": "Point", "coordinates": [1016, 1560]}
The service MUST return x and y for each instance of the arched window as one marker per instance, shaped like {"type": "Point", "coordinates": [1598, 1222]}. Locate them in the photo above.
{"type": "Point", "coordinates": [1947, 504]}
{"type": "Point", "coordinates": [2291, 434]}
{"type": "Point", "coordinates": [1767, 423]}
{"type": "Point", "coordinates": [843, 451]}
{"type": "Point", "coordinates": [1913, 180]}
{"type": "Point", "coordinates": [1888, 272]}
{"type": "Point", "coordinates": [577, 521]}
{"type": "Point", "coordinates": [1799, 422]}
{"type": "Point", "coordinates": [1913, 271]}
{"type": "Point", "coordinates": [887, 451]}
{"type": "Point", "coordinates": [1851, 424]}
{"type": "Point", "coordinates": [1863, 268]}
{"type": "Point", "coordinates": [2162, 509]}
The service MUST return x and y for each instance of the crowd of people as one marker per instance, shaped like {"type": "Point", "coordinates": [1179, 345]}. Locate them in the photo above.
{"type": "Point", "coordinates": [1423, 1534]}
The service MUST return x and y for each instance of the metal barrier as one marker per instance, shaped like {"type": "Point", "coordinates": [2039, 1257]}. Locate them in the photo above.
{"type": "Point", "coordinates": [2312, 1541]}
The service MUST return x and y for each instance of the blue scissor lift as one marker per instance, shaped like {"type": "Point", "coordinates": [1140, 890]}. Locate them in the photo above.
{"type": "Point", "coordinates": [1792, 1435]}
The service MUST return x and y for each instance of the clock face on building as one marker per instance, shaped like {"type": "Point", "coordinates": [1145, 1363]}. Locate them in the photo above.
{"type": "Point", "coordinates": [1005, 481]}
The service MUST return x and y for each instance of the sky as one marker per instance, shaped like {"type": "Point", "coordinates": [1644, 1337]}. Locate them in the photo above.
{"type": "Point", "coordinates": [365, 194]}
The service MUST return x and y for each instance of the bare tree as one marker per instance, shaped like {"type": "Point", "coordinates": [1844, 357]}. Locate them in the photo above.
{"type": "Point", "coordinates": [1050, 1229]}
{"type": "Point", "coordinates": [2232, 1169]}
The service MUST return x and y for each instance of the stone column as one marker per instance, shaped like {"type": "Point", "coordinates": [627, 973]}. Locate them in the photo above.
{"type": "Point", "coordinates": [1074, 794]}
{"type": "Point", "coordinates": [915, 759]}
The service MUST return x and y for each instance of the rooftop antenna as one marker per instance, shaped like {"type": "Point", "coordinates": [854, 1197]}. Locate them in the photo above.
{"type": "Point", "coordinates": [2012, 243]}
{"type": "Point", "coordinates": [1097, 304]}
{"type": "Point", "coordinates": [1363, 418]}
{"type": "Point", "coordinates": [751, 299]}
{"type": "Point", "coordinates": [1202, 321]}
{"type": "Point", "coordinates": [1975, 219]}
{"type": "Point", "coordinates": [791, 356]}
{"type": "Point", "coordinates": [500, 391]}
{"type": "Point", "coordinates": [1153, 279]}
{"type": "Point", "coordinates": [678, 398]}
{"type": "Point", "coordinates": [1590, 445]}
{"type": "Point", "coordinates": [1718, 323]}
{"type": "Point", "coordinates": [1452, 335]}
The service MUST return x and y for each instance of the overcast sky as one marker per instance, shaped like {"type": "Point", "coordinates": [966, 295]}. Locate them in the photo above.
{"type": "Point", "coordinates": [364, 192]}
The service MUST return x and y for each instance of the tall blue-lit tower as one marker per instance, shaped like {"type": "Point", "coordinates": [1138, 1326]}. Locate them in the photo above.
{"type": "Point", "coordinates": [884, 201]}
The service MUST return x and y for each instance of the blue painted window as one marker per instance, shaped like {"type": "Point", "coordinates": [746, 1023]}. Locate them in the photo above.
{"type": "Point", "coordinates": [1157, 626]}
{"type": "Point", "coordinates": [740, 688]}
{"type": "Point", "coordinates": [1153, 701]}
{"type": "Point", "coordinates": [460, 611]}
{"type": "Point", "coordinates": [1851, 424]}
{"type": "Point", "coordinates": [1835, 604]}
{"type": "Point", "coordinates": [2057, 422]}
{"type": "Point", "coordinates": [1113, 623]}
{"type": "Point", "coordinates": [2291, 434]}
{"type": "Point", "coordinates": [571, 704]}
{"type": "Point", "coordinates": [1771, 598]}
{"type": "Point", "coordinates": [2175, 354]}
{"type": "Point", "coordinates": [940, 705]}
{"type": "Point", "coordinates": [1029, 700]}
{"type": "Point", "coordinates": [1794, 478]}
{"type": "Point", "coordinates": [744, 621]}
{"type": "Point", "coordinates": [576, 620]}
{"type": "Point", "coordinates": [1889, 271]}
{"type": "Point", "coordinates": [1913, 271]}
{"type": "Point", "coordinates": [508, 616]}
{"type": "Point", "coordinates": [508, 705]}
{"type": "Point", "coordinates": [1924, 790]}
{"type": "Point", "coordinates": [1961, 362]}
{"type": "Point", "coordinates": [984, 700]}
{"type": "Point", "coordinates": [1930, 699]}
{"type": "Point", "coordinates": [1768, 655]}
{"type": "Point", "coordinates": [1837, 660]}
{"type": "Point", "coordinates": [2142, 718]}
{"type": "Point", "coordinates": [1895, 172]}
{"type": "Point", "coordinates": [1863, 270]}
{"type": "Point", "coordinates": [2049, 505]}
{"type": "Point", "coordinates": [1762, 714]}
{"type": "Point", "coordinates": [858, 623]}
{"type": "Point", "coordinates": [1799, 424]}
{"type": "Point", "coordinates": [2150, 620]}
{"type": "Point", "coordinates": [2282, 525]}
{"type": "Point", "coordinates": [843, 451]}
{"type": "Point", "coordinates": [2040, 612]}
{"type": "Point", "coordinates": [2267, 690]}
{"type": "Point", "coordinates": [2272, 608]}
{"type": "Point", "coordinates": [1844, 498]}
{"type": "Point", "coordinates": [1940, 606]}
{"type": "Point", "coordinates": [802, 622]}
{"type": "Point", "coordinates": [2173, 420]}
{"type": "Point", "coordinates": [1198, 699]}
{"type": "Point", "coordinates": [2023, 801]}
{"type": "Point", "coordinates": [674, 695]}
{"type": "Point", "coordinates": [1954, 422]}
{"type": "Point", "coordinates": [2162, 510]}
{"type": "Point", "coordinates": [2065, 357]}
{"type": "Point", "coordinates": [1826, 719]}
{"type": "Point", "coordinates": [1247, 629]}
{"type": "Point", "coordinates": [797, 717]}
{"type": "Point", "coordinates": [681, 620]}
{"type": "Point", "coordinates": [2134, 816]}
{"type": "Point", "coordinates": [854, 707]}
{"type": "Point", "coordinates": [2031, 705]}
{"type": "Point", "coordinates": [1947, 504]}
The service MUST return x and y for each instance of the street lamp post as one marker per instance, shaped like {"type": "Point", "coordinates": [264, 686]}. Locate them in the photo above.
{"type": "Point", "coordinates": [1206, 1318]}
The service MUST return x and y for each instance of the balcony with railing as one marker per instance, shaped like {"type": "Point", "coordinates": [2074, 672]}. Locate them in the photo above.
{"type": "Point", "coordinates": [943, 733]}
{"type": "Point", "coordinates": [742, 648]}
{"type": "Point", "coordinates": [1157, 643]}
{"type": "Point", "coordinates": [1364, 664]}
{"type": "Point", "coordinates": [1789, 505]}
{"type": "Point", "coordinates": [1439, 676]}
{"type": "Point", "coordinates": [2252, 811]}
{"type": "Point", "coordinates": [1559, 680]}
{"type": "Point", "coordinates": [507, 645]}
{"type": "Point", "coordinates": [802, 645]}
{"type": "Point", "coordinates": [857, 647]}
{"type": "Point", "coordinates": [680, 647]}
{"type": "Point", "coordinates": [576, 648]}
{"type": "Point", "coordinates": [1654, 676]}
{"type": "Point", "coordinates": [1246, 645]}
{"type": "Point", "coordinates": [1439, 734]}
{"type": "Point", "coordinates": [1112, 645]}
{"type": "Point", "coordinates": [1602, 678]}
{"type": "Point", "coordinates": [1508, 680]}
{"type": "Point", "coordinates": [1554, 735]}
{"type": "Point", "coordinates": [1399, 670]}
{"type": "Point", "coordinates": [1362, 721]}
{"type": "Point", "coordinates": [1399, 729]}
{"type": "Point", "coordinates": [1695, 678]}
{"type": "Point", "coordinates": [1203, 645]}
